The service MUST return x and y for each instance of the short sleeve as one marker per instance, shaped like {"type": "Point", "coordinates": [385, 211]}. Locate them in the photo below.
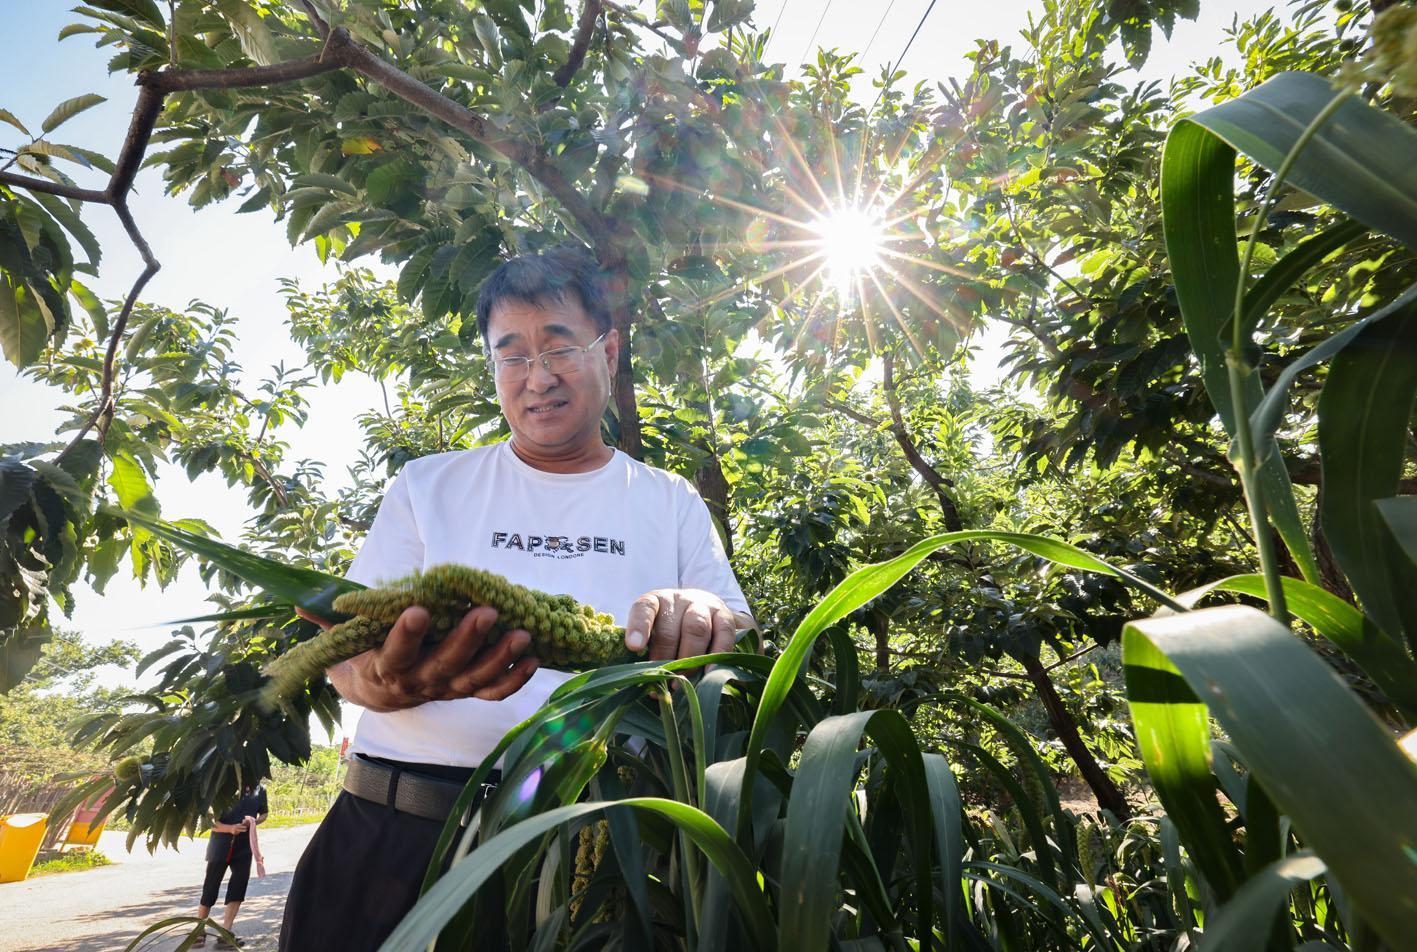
{"type": "Point", "coordinates": [702, 561]}
{"type": "Point", "coordinates": [394, 547]}
{"type": "Point", "coordinates": [264, 805]}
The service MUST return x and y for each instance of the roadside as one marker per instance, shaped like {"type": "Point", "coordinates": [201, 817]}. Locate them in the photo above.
{"type": "Point", "coordinates": [103, 909]}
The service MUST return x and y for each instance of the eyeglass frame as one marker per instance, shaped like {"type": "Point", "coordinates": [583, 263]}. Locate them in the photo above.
{"type": "Point", "coordinates": [500, 362]}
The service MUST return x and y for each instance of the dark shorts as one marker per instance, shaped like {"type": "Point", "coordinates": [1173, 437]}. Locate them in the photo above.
{"type": "Point", "coordinates": [227, 851]}
{"type": "Point", "coordinates": [360, 874]}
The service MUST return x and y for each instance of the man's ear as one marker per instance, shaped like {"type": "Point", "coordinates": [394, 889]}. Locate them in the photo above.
{"type": "Point", "coordinates": [612, 350]}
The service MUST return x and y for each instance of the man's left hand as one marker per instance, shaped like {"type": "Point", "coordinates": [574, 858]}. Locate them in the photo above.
{"type": "Point", "coordinates": [680, 623]}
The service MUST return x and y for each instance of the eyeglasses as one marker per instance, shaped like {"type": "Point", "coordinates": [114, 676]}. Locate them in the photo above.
{"type": "Point", "coordinates": [559, 361]}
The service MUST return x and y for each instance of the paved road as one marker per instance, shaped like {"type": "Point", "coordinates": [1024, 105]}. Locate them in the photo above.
{"type": "Point", "coordinates": [102, 909]}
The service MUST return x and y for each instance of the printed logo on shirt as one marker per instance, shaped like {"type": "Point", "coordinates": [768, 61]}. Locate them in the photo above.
{"type": "Point", "coordinates": [556, 546]}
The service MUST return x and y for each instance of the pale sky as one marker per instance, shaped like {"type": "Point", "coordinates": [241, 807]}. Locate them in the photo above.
{"type": "Point", "coordinates": [235, 261]}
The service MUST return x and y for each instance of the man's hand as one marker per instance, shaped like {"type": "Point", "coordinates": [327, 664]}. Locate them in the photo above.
{"type": "Point", "coordinates": [400, 673]}
{"type": "Point", "coordinates": [680, 623]}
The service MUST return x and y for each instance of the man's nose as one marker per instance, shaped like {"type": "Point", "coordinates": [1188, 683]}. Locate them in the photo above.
{"type": "Point", "coordinates": [539, 378]}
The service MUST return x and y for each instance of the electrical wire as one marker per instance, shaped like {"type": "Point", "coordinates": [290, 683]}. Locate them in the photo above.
{"type": "Point", "coordinates": [879, 23]}
{"type": "Point", "coordinates": [819, 20]}
{"type": "Point", "coordinates": [772, 34]}
{"type": "Point", "coordinates": [901, 57]}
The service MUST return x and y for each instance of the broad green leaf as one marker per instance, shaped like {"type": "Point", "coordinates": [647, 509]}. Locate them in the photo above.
{"type": "Point", "coordinates": [1268, 415]}
{"type": "Point", "coordinates": [1400, 515]}
{"type": "Point", "coordinates": [145, 10]}
{"type": "Point", "coordinates": [311, 590]}
{"type": "Point", "coordinates": [1244, 923]}
{"type": "Point", "coordinates": [251, 31]}
{"type": "Point", "coordinates": [24, 332]}
{"type": "Point", "coordinates": [439, 904]}
{"type": "Point", "coordinates": [1359, 161]}
{"type": "Point", "coordinates": [1322, 757]}
{"type": "Point", "coordinates": [1173, 737]}
{"type": "Point", "coordinates": [1380, 656]}
{"type": "Point", "coordinates": [73, 224]}
{"type": "Point", "coordinates": [816, 814]}
{"type": "Point", "coordinates": [869, 581]}
{"type": "Point", "coordinates": [1198, 219]}
{"type": "Point", "coordinates": [130, 483]}
{"type": "Point", "coordinates": [1287, 271]}
{"type": "Point", "coordinates": [90, 303]}
{"type": "Point", "coordinates": [69, 108]}
{"type": "Point", "coordinates": [947, 813]}
{"type": "Point", "coordinates": [15, 481]}
{"type": "Point", "coordinates": [1364, 412]}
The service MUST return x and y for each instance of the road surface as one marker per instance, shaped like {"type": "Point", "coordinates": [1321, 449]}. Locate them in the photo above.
{"type": "Point", "coordinates": [103, 909]}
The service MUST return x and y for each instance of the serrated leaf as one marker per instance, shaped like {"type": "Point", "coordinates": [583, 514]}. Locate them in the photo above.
{"type": "Point", "coordinates": [9, 117]}
{"type": "Point", "coordinates": [130, 483]}
{"type": "Point", "coordinates": [90, 303]}
{"type": "Point", "coordinates": [251, 31]}
{"type": "Point", "coordinates": [70, 108]}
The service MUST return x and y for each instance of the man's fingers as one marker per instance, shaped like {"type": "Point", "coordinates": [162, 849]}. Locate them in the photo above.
{"type": "Point", "coordinates": [510, 681]}
{"type": "Point", "coordinates": [404, 643]}
{"type": "Point", "coordinates": [695, 629]}
{"type": "Point", "coordinates": [639, 621]}
{"type": "Point", "coordinates": [723, 631]}
{"type": "Point", "coordinates": [452, 654]}
{"type": "Point", "coordinates": [664, 636]}
{"type": "Point", "coordinates": [489, 665]}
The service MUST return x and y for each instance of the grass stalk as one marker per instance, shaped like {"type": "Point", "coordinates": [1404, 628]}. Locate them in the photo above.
{"type": "Point", "coordinates": [684, 794]}
{"type": "Point", "coordinates": [1238, 369]}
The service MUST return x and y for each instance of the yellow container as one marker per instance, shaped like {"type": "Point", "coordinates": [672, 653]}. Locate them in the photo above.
{"type": "Point", "coordinates": [20, 836]}
{"type": "Point", "coordinates": [83, 834]}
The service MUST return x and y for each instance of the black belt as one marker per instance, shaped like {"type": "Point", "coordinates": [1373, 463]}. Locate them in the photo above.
{"type": "Point", "coordinates": [410, 792]}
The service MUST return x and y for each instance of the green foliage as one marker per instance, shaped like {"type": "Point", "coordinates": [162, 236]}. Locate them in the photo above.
{"type": "Point", "coordinates": [917, 715]}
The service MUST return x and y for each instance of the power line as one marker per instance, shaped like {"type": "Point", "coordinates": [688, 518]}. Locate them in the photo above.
{"type": "Point", "coordinates": [772, 34]}
{"type": "Point", "coordinates": [820, 19]}
{"type": "Point", "coordinates": [901, 57]}
{"type": "Point", "coordinates": [879, 23]}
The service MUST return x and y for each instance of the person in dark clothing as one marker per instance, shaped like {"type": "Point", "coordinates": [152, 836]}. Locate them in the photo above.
{"type": "Point", "coordinates": [230, 848]}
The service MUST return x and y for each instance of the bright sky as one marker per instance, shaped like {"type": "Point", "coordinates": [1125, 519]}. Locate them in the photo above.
{"type": "Point", "coordinates": [235, 261]}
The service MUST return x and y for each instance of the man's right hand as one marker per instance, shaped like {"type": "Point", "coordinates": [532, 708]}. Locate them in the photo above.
{"type": "Point", "coordinates": [400, 673]}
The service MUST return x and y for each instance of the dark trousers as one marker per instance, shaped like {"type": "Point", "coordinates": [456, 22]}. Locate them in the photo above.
{"type": "Point", "coordinates": [358, 878]}
{"type": "Point", "coordinates": [237, 858]}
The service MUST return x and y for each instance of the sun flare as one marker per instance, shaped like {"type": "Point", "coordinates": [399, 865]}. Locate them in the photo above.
{"type": "Point", "coordinates": [851, 240]}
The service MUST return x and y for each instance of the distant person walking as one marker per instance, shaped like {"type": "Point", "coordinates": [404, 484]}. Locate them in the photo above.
{"type": "Point", "coordinates": [232, 846]}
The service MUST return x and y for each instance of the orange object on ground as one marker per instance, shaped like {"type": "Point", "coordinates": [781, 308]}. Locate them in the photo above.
{"type": "Point", "coordinates": [20, 836]}
{"type": "Point", "coordinates": [84, 831]}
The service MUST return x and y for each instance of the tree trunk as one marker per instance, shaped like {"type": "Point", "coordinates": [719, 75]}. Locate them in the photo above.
{"type": "Point", "coordinates": [713, 487]}
{"type": "Point", "coordinates": [627, 409]}
{"type": "Point", "coordinates": [1066, 727]}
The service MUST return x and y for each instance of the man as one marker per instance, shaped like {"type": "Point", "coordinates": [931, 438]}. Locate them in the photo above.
{"type": "Point", "coordinates": [229, 847]}
{"type": "Point", "coordinates": [553, 508]}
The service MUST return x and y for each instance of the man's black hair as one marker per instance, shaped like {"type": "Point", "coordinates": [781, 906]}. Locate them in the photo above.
{"type": "Point", "coordinates": [546, 276]}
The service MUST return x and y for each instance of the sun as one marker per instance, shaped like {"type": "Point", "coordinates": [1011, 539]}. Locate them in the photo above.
{"type": "Point", "coordinates": [850, 240]}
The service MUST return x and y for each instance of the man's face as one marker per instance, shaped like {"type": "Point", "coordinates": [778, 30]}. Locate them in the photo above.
{"type": "Point", "coordinates": [552, 415]}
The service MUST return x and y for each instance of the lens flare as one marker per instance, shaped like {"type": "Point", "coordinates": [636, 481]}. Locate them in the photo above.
{"type": "Point", "coordinates": [851, 239]}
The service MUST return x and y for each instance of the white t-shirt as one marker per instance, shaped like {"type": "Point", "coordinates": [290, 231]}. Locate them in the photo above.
{"type": "Point", "coordinates": [604, 537]}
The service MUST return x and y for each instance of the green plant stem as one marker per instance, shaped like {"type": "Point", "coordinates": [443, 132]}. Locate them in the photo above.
{"type": "Point", "coordinates": [1238, 369]}
{"type": "Point", "coordinates": [684, 794]}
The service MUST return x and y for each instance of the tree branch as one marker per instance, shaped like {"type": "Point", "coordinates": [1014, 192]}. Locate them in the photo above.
{"type": "Point", "coordinates": [585, 32]}
{"type": "Point", "coordinates": [15, 180]}
{"type": "Point", "coordinates": [938, 482]}
{"type": "Point", "coordinates": [186, 80]}
{"type": "Point", "coordinates": [103, 413]}
{"type": "Point", "coordinates": [343, 50]}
